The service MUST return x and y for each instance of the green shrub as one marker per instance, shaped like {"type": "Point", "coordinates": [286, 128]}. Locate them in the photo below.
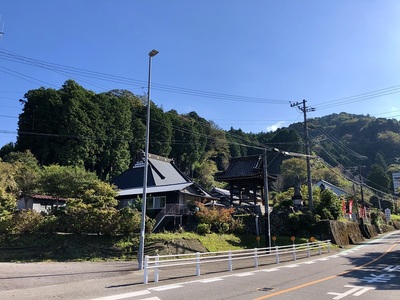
{"type": "Point", "coordinates": [130, 220]}
{"type": "Point", "coordinates": [6, 224]}
{"type": "Point", "coordinates": [26, 221]}
{"type": "Point", "coordinates": [203, 228]}
{"type": "Point", "coordinates": [294, 223]}
{"type": "Point", "coordinates": [223, 228]}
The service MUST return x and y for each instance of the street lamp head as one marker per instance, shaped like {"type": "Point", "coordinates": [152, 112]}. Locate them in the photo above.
{"type": "Point", "coordinates": [153, 52]}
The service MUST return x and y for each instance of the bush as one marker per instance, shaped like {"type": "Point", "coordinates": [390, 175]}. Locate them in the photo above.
{"type": "Point", "coordinates": [220, 219]}
{"type": "Point", "coordinates": [203, 228]}
{"type": "Point", "coordinates": [130, 221]}
{"type": "Point", "coordinates": [294, 223]}
{"type": "Point", "coordinates": [26, 221]}
{"type": "Point", "coordinates": [6, 224]}
{"type": "Point", "coordinates": [49, 224]}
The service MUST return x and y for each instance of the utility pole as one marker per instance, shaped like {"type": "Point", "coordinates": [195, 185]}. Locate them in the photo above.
{"type": "Point", "coordinates": [302, 106]}
{"type": "Point", "coordinates": [267, 224]}
{"type": "Point", "coordinates": [362, 192]}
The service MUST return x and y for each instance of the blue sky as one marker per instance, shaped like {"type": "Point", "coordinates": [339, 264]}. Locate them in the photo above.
{"type": "Point", "coordinates": [237, 63]}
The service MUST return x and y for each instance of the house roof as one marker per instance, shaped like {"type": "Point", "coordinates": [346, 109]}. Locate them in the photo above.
{"type": "Point", "coordinates": [162, 172]}
{"type": "Point", "coordinates": [47, 197]}
{"type": "Point", "coordinates": [246, 167]}
{"type": "Point", "coordinates": [242, 167]}
{"type": "Point", "coordinates": [337, 190]}
{"type": "Point", "coordinates": [163, 176]}
{"type": "Point", "coordinates": [154, 189]}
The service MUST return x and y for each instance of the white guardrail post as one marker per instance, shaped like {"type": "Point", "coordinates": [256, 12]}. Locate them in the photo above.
{"type": "Point", "coordinates": [294, 252]}
{"type": "Point", "coordinates": [277, 254]}
{"type": "Point", "coordinates": [156, 268]}
{"type": "Point", "coordinates": [230, 261]}
{"type": "Point", "coordinates": [197, 264]}
{"type": "Point", "coordinates": [308, 249]}
{"type": "Point", "coordinates": [145, 273]}
{"type": "Point", "coordinates": [255, 257]}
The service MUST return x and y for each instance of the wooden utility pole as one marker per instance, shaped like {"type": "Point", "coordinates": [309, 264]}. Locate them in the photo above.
{"type": "Point", "coordinates": [302, 106]}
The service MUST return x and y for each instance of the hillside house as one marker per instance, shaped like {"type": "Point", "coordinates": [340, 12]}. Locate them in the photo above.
{"type": "Point", "coordinates": [40, 203]}
{"type": "Point", "coordinates": [169, 191]}
{"type": "Point", "coordinates": [323, 185]}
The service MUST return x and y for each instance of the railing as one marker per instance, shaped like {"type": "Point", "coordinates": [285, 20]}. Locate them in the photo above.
{"type": "Point", "coordinates": [170, 210]}
{"type": "Point", "coordinates": [257, 255]}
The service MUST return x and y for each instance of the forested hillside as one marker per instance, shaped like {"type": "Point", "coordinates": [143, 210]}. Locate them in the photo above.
{"type": "Point", "coordinates": [104, 132]}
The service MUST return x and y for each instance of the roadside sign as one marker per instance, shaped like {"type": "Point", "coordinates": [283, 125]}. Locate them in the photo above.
{"type": "Point", "coordinates": [388, 214]}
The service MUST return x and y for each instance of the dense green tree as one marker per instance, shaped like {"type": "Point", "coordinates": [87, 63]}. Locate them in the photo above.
{"type": "Point", "coordinates": [38, 125]}
{"type": "Point", "coordinates": [183, 141]}
{"type": "Point", "coordinates": [6, 149]}
{"type": "Point", "coordinates": [378, 178]}
{"type": "Point", "coordinates": [114, 126]}
{"type": "Point", "coordinates": [293, 170]}
{"type": "Point", "coordinates": [329, 205]}
{"type": "Point", "coordinates": [26, 173]}
{"type": "Point", "coordinates": [8, 189]}
{"type": "Point", "coordinates": [66, 181]}
{"type": "Point", "coordinates": [160, 132]}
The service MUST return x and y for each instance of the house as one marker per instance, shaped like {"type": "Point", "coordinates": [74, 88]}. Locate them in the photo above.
{"type": "Point", "coordinates": [245, 178]}
{"type": "Point", "coordinates": [40, 203]}
{"type": "Point", "coordinates": [169, 191]}
{"type": "Point", "coordinates": [323, 185]}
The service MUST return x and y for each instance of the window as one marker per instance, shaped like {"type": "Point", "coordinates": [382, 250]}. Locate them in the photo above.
{"type": "Point", "coordinates": [156, 202]}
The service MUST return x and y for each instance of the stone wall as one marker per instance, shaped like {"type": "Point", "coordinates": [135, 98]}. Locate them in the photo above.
{"type": "Point", "coordinates": [346, 233]}
{"type": "Point", "coordinates": [340, 233]}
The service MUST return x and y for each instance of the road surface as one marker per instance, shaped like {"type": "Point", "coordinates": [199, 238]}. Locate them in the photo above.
{"type": "Point", "coordinates": [367, 271]}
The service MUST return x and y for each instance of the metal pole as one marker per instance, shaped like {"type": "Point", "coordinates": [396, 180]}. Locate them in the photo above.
{"type": "Point", "coordinates": [146, 166]}
{"type": "Point", "coordinates": [267, 227]}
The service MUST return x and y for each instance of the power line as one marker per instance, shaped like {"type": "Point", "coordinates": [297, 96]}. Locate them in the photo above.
{"type": "Point", "coordinates": [6, 55]}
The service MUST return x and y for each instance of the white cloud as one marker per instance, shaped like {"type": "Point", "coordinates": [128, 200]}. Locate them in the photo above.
{"type": "Point", "coordinates": [276, 126]}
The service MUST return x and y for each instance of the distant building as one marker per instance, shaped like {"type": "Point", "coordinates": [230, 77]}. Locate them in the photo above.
{"type": "Point", "coordinates": [40, 203]}
{"type": "Point", "coordinates": [322, 184]}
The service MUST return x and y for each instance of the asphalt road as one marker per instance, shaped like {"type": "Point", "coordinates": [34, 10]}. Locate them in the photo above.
{"type": "Point", "coordinates": [367, 271]}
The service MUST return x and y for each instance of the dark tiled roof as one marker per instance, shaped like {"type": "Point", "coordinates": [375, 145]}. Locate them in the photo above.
{"type": "Point", "coordinates": [242, 167]}
{"type": "Point", "coordinates": [162, 172]}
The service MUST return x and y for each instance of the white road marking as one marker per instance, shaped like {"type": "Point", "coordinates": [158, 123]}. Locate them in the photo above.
{"type": "Point", "coordinates": [123, 296]}
{"type": "Point", "coordinates": [244, 274]}
{"type": "Point", "coordinates": [211, 280]}
{"type": "Point", "coordinates": [270, 270]}
{"type": "Point", "coordinates": [166, 287]}
{"type": "Point", "coordinates": [356, 291]}
{"type": "Point", "coordinates": [323, 259]}
{"type": "Point", "coordinates": [292, 266]}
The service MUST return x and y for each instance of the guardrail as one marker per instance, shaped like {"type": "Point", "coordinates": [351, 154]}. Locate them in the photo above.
{"type": "Point", "coordinates": [158, 262]}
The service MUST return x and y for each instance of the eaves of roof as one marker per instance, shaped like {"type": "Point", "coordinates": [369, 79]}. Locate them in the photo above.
{"type": "Point", "coordinates": [154, 189]}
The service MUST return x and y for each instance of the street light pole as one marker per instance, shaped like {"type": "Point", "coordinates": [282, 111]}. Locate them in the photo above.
{"type": "Point", "coordinates": [152, 53]}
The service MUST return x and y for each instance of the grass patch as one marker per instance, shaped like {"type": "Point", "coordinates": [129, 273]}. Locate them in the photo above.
{"type": "Point", "coordinates": [69, 247]}
{"type": "Point", "coordinates": [63, 247]}
{"type": "Point", "coordinates": [395, 217]}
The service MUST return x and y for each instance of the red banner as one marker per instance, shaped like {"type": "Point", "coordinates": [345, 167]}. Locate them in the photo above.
{"type": "Point", "coordinates": [350, 206]}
